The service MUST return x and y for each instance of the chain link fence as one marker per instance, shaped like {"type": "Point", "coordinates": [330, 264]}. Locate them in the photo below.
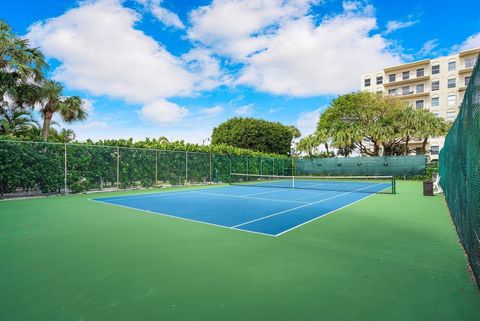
{"type": "Point", "coordinates": [37, 168]}
{"type": "Point", "coordinates": [460, 171]}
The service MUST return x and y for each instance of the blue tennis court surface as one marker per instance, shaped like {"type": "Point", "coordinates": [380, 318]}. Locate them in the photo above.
{"type": "Point", "coordinates": [270, 211]}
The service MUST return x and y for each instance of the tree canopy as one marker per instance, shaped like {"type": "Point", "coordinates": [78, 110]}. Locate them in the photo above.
{"type": "Point", "coordinates": [23, 86]}
{"type": "Point", "coordinates": [255, 134]}
{"type": "Point", "coordinates": [372, 124]}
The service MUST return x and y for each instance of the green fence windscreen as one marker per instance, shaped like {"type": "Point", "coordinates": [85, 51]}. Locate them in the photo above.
{"type": "Point", "coordinates": [460, 171]}
{"type": "Point", "coordinates": [359, 166]}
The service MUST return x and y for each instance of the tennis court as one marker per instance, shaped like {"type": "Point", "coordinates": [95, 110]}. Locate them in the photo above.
{"type": "Point", "coordinates": [271, 205]}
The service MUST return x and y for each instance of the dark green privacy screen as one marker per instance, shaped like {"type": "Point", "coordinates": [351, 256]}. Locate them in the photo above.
{"type": "Point", "coordinates": [460, 171]}
{"type": "Point", "coordinates": [359, 166]}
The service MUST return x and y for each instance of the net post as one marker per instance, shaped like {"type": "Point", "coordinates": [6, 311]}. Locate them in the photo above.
{"type": "Point", "coordinates": [394, 185]}
{"type": "Point", "coordinates": [118, 168]}
{"type": "Point", "coordinates": [65, 170]}
{"type": "Point", "coordinates": [293, 182]}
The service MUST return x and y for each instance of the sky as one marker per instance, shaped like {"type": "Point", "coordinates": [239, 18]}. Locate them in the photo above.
{"type": "Point", "coordinates": [152, 68]}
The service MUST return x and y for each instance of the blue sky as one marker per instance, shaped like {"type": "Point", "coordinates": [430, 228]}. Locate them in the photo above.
{"type": "Point", "coordinates": [151, 68]}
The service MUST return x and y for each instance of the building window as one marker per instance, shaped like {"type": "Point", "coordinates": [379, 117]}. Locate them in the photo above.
{"type": "Point", "coordinates": [367, 82]}
{"type": "Point", "coordinates": [466, 80]}
{"type": "Point", "coordinates": [392, 92]}
{"type": "Point", "coordinates": [379, 80]}
{"type": "Point", "coordinates": [420, 72]}
{"type": "Point", "coordinates": [392, 78]}
{"type": "Point", "coordinates": [469, 62]}
{"type": "Point", "coordinates": [405, 75]}
{"type": "Point", "coordinates": [419, 104]}
{"type": "Point", "coordinates": [451, 115]}
{"type": "Point", "coordinates": [452, 83]}
{"type": "Point", "coordinates": [434, 150]}
{"type": "Point", "coordinates": [420, 88]}
{"type": "Point", "coordinates": [452, 65]}
{"type": "Point", "coordinates": [405, 90]}
{"type": "Point", "coordinates": [435, 102]}
{"type": "Point", "coordinates": [452, 100]}
{"type": "Point", "coordinates": [435, 69]}
{"type": "Point", "coordinates": [435, 85]}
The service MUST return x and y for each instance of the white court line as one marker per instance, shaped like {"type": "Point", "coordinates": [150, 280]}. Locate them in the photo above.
{"type": "Point", "coordinates": [180, 218]}
{"type": "Point", "coordinates": [170, 193]}
{"type": "Point", "coordinates": [253, 198]}
{"type": "Point", "coordinates": [302, 206]}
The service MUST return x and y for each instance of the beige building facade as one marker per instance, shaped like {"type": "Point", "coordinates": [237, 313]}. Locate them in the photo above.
{"type": "Point", "coordinates": [436, 84]}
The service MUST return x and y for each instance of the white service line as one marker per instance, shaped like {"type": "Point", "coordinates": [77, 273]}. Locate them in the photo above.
{"type": "Point", "coordinates": [302, 206]}
{"type": "Point", "coordinates": [253, 198]}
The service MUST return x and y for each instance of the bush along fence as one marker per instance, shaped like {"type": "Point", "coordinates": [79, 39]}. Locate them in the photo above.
{"type": "Point", "coordinates": [38, 168]}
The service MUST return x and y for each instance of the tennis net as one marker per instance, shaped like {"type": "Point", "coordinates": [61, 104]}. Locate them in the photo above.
{"type": "Point", "coordinates": [357, 184]}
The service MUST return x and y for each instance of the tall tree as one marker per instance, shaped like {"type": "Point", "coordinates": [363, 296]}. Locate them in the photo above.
{"type": "Point", "coordinates": [255, 134]}
{"type": "Point", "coordinates": [16, 121]}
{"type": "Point", "coordinates": [430, 125]}
{"type": "Point", "coordinates": [19, 63]}
{"type": "Point", "coordinates": [48, 95]}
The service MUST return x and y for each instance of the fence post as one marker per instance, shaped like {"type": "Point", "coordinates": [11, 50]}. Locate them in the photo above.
{"type": "Point", "coordinates": [186, 168]}
{"type": "Point", "coordinates": [273, 166]}
{"type": "Point", "coordinates": [118, 167]}
{"type": "Point", "coordinates": [65, 170]}
{"type": "Point", "coordinates": [210, 167]}
{"type": "Point", "coordinates": [156, 166]}
{"type": "Point", "coordinates": [261, 165]}
{"type": "Point", "coordinates": [247, 163]}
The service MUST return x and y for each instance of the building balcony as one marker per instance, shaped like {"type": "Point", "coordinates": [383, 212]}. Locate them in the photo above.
{"type": "Point", "coordinates": [406, 67]}
{"type": "Point", "coordinates": [411, 94]}
{"type": "Point", "coordinates": [465, 70]}
{"type": "Point", "coordinates": [406, 81]}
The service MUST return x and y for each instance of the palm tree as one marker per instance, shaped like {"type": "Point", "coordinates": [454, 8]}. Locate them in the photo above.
{"type": "Point", "coordinates": [409, 125]}
{"type": "Point", "coordinates": [15, 121]}
{"type": "Point", "coordinates": [48, 95]}
{"type": "Point", "coordinates": [430, 125]}
{"type": "Point", "coordinates": [19, 63]}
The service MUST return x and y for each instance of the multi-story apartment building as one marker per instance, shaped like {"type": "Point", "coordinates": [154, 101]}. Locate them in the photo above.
{"type": "Point", "coordinates": [434, 84]}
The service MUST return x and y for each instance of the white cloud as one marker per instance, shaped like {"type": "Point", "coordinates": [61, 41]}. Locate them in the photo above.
{"type": "Point", "coordinates": [428, 48]}
{"type": "Point", "coordinates": [167, 17]}
{"type": "Point", "coordinates": [395, 25]}
{"type": "Point", "coordinates": [101, 52]}
{"type": "Point", "coordinates": [212, 111]}
{"type": "Point", "coordinates": [245, 110]}
{"type": "Point", "coordinates": [87, 104]}
{"type": "Point", "coordinates": [163, 112]}
{"type": "Point", "coordinates": [472, 42]}
{"type": "Point", "coordinates": [238, 28]}
{"type": "Point", "coordinates": [307, 121]}
{"type": "Point", "coordinates": [283, 49]}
